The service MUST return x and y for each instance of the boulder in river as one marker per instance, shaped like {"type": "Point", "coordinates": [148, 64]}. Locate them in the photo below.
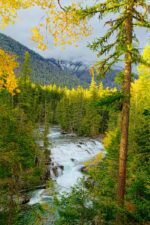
{"type": "Point", "coordinates": [83, 169]}
{"type": "Point", "coordinates": [61, 167]}
{"type": "Point", "coordinates": [81, 143]}
{"type": "Point", "coordinates": [63, 132]}
{"type": "Point", "coordinates": [79, 146]}
{"type": "Point", "coordinates": [87, 151]}
{"type": "Point", "coordinates": [73, 160]}
{"type": "Point", "coordinates": [55, 171]}
{"type": "Point", "coordinates": [24, 199]}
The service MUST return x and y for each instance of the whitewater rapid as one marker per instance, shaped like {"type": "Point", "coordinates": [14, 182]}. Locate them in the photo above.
{"type": "Point", "coordinates": [68, 155]}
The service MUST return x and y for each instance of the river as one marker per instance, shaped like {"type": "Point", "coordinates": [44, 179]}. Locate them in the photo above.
{"type": "Point", "coordinates": [68, 154]}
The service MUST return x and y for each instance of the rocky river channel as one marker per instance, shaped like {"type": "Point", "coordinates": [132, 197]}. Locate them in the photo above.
{"type": "Point", "coordinates": [68, 154]}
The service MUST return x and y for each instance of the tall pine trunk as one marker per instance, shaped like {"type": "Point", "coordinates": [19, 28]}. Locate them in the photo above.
{"type": "Point", "coordinates": [125, 115]}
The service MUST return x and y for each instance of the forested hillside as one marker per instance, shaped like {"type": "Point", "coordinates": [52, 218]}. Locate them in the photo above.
{"type": "Point", "coordinates": [53, 71]}
{"type": "Point", "coordinates": [81, 70]}
{"type": "Point", "coordinates": [44, 70]}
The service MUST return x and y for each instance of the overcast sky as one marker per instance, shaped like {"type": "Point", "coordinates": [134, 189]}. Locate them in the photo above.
{"type": "Point", "coordinates": [31, 17]}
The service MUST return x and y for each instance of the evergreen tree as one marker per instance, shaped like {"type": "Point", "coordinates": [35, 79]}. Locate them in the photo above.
{"type": "Point", "coordinates": [26, 70]}
{"type": "Point", "coordinates": [25, 97]}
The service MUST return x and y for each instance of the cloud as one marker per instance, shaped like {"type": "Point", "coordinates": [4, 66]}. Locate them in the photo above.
{"type": "Point", "coordinates": [32, 16]}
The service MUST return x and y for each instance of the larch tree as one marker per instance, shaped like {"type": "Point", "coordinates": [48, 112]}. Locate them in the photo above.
{"type": "Point", "coordinates": [26, 69]}
{"type": "Point", "coordinates": [8, 11]}
{"type": "Point", "coordinates": [8, 14]}
{"type": "Point", "coordinates": [7, 77]}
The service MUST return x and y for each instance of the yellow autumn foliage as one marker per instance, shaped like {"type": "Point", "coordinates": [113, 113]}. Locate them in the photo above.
{"type": "Point", "coordinates": [108, 138]}
{"type": "Point", "coordinates": [7, 76]}
{"type": "Point", "coordinates": [94, 161]}
{"type": "Point", "coordinates": [143, 70]}
{"type": "Point", "coordinates": [8, 10]}
{"type": "Point", "coordinates": [64, 26]}
{"type": "Point", "coordinates": [140, 90]}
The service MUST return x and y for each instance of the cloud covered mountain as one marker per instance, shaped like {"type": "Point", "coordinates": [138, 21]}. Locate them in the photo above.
{"type": "Point", "coordinates": [50, 71]}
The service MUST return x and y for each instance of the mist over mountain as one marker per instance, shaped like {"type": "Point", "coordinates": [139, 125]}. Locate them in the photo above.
{"type": "Point", "coordinates": [81, 70]}
{"type": "Point", "coordinates": [44, 70]}
{"type": "Point", "coordinates": [53, 71]}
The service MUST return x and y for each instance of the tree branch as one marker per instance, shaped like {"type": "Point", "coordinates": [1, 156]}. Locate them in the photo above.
{"type": "Point", "coordinates": [61, 6]}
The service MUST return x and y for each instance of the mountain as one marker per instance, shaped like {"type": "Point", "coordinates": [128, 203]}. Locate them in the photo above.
{"type": "Point", "coordinates": [44, 70]}
{"type": "Point", "coordinates": [50, 71]}
{"type": "Point", "coordinates": [82, 72]}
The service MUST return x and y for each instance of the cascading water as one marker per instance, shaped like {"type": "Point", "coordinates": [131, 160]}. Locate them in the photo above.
{"type": "Point", "coordinates": [68, 155]}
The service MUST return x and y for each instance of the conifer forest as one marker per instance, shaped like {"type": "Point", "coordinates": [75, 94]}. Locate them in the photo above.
{"type": "Point", "coordinates": [73, 152]}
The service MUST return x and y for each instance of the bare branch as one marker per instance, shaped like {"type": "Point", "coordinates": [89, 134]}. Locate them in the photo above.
{"type": "Point", "coordinates": [61, 6]}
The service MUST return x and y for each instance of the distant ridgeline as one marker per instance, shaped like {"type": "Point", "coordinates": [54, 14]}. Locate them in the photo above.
{"type": "Point", "coordinates": [52, 71]}
{"type": "Point", "coordinates": [81, 70]}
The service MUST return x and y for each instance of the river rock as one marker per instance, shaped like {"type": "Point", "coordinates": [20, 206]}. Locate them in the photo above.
{"type": "Point", "coordinates": [63, 132]}
{"type": "Point", "coordinates": [79, 146]}
{"type": "Point", "coordinates": [24, 199]}
{"type": "Point", "coordinates": [61, 167]}
{"type": "Point", "coordinates": [55, 171]}
{"type": "Point", "coordinates": [87, 151]}
{"type": "Point", "coordinates": [83, 169]}
{"type": "Point", "coordinates": [73, 160]}
{"type": "Point", "coordinates": [81, 143]}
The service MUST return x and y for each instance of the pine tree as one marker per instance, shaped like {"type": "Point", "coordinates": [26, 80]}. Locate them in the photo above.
{"type": "Point", "coordinates": [24, 98]}
{"type": "Point", "coordinates": [26, 70]}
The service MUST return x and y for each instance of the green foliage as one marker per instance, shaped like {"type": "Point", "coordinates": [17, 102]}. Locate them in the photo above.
{"type": "Point", "coordinates": [26, 70]}
{"type": "Point", "coordinates": [75, 207]}
{"type": "Point", "coordinates": [113, 101]}
{"type": "Point", "coordinates": [120, 75]}
{"type": "Point", "coordinates": [78, 112]}
{"type": "Point", "coordinates": [30, 215]}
